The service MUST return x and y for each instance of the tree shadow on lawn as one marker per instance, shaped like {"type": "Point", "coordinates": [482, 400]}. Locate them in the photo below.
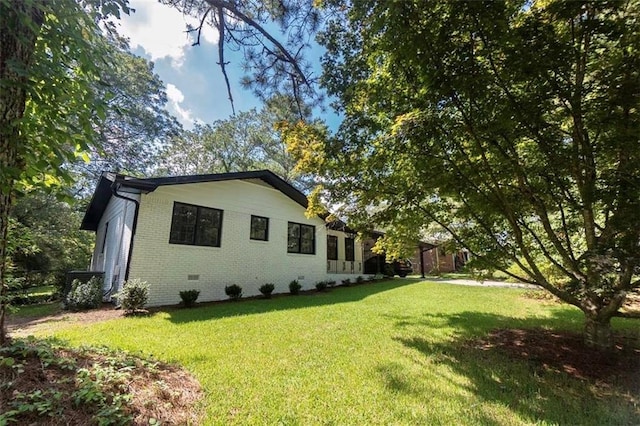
{"type": "Point", "coordinates": [281, 302]}
{"type": "Point", "coordinates": [538, 368]}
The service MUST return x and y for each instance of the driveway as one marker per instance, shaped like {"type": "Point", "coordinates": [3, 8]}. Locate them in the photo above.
{"type": "Point", "coordinates": [460, 281]}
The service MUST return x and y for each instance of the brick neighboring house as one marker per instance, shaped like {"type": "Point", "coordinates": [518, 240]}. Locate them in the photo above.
{"type": "Point", "coordinates": [205, 232]}
{"type": "Point", "coordinates": [436, 258]}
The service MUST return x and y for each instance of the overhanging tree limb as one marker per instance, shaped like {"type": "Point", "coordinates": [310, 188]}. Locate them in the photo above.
{"type": "Point", "coordinates": [252, 23]}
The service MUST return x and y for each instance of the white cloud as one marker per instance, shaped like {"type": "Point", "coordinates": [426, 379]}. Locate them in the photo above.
{"type": "Point", "coordinates": [161, 30]}
{"type": "Point", "coordinates": [176, 97]}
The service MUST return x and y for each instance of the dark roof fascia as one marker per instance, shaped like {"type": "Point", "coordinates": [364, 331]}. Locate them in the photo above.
{"type": "Point", "coordinates": [98, 203]}
{"type": "Point", "coordinates": [267, 176]}
{"type": "Point", "coordinates": [338, 225]}
{"type": "Point", "coordinates": [103, 191]}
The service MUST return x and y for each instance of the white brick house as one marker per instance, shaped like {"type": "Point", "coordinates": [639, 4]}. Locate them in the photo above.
{"type": "Point", "coordinates": [205, 232]}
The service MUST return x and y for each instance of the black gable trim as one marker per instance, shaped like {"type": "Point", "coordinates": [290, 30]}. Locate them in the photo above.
{"type": "Point", "coordinates": [99, 202]}
{"type": "Point", "coordinates": [103, 191]}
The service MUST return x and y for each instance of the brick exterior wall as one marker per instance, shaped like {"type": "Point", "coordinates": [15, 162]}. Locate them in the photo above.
{"type": "Point", "coordinates": [170, 268]}
{"type": "Point", "coordinates": [437, 259]}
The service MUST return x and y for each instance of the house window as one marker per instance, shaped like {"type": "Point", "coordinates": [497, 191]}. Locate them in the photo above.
{"type": "Point", "coordinates": [259, 228]}
{"type": "Point", "coordinates": [349, 249]}
{"type": "Point", "coordinates": [332, 247]}
{"type": "Point", "coordinates": [301, 238]}
{"type": "Point", "coordinates": [195, 225]}
{"type": "Point", "coordinates": [104, 237]}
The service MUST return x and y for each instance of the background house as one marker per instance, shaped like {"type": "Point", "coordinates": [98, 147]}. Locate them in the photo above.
{"type": "Point", "coordinates": [437, 259]}
{"type": "Point", "coordinates": [427, 258]}
{"type": "Point", "coordinates": [206, 232]}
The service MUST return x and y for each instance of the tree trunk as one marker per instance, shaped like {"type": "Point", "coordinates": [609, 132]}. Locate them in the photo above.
{"type": "Point", "coordinates": [20, 24]}
{"type": "Point", "coordinates": [5, 208]}
{"type": "Point", "coordinates": [597, 332]}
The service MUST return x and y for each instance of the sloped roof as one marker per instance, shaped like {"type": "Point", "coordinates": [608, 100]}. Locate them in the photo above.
{"type": "Point", "coordinates": [108, 181]}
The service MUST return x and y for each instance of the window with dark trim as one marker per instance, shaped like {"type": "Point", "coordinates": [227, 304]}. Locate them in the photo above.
{"type": "Point", "coordinates": [332, 247]}
{"type": "Point", "coordinates": [195, 225]}
{"type": "Point", "coordinates": [349, 249]}
{"type": "Point", "coordinates": [104, 237]}
{"type": "Point", "coordinates": [259, 228]}
{"type": "Point", "coordinates": [301, 238]}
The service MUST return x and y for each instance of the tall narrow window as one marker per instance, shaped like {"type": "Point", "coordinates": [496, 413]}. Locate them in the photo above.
{"type": "Point", "coordinates": [332, 247]}
{"type": "Point", "coordinates": [195, 225]}
{"type": "Point", "coordinates": [104, 237]}
{"type": "Point", "coordinates": [349, 249]}
{"type": "Point", "coordinates": [259, 228]}
{"type": "Point", "coordinates": [301, 238]}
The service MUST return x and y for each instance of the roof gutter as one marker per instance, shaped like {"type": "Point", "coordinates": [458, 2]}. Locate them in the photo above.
{"type": "Point", "coordinates": [134, 226]}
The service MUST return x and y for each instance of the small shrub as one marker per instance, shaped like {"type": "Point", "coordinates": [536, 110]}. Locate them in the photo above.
{"type": "Point", "coordinates": [331, 283]}
{"type": "Point", "coordinates": [294, 287]}
{"type": "Point", "coordinates": [360, 279]}
{"type": "Point", "coordinates": [84, 295]}
{"type": "Point", "coordinates": [346, 282]}
{"type": "Point", "coordinates": [234, 291]}
{"type": "Point", "coordinates": [321, 285]}
{"type": "Point", "coordinates": [133, 296]}
{"type": "Point", "coordinates": [388, 270]}
{"type": "Point", "coordinates": [189, 297]}
{"type": "Point", "coordinates": [267, 289]}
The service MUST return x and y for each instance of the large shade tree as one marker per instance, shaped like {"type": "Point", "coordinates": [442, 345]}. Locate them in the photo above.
{"type": "Point", "coordinates": [514, 125]}
{"type": "Point", "coordinates": [49, 62]}
{"type": "Point", "coordinates": [136, 121]}
{"type": "Point", "coordinates": [249, 140]}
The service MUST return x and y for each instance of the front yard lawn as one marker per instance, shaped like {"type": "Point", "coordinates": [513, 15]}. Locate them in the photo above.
{"type": "Point", "coordinates": [397, 352]}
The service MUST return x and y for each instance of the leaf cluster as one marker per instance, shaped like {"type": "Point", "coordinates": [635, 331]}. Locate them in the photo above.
{"type": "Point", "coordinates": [511, 125]}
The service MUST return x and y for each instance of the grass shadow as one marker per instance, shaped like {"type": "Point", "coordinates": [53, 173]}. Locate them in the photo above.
{"type": "Point", "coordinates": [536, 391]}
{"type": "Point", "coordinates": [281, 302]}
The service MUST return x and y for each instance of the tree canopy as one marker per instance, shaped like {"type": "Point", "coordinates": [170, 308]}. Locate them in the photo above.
{"type": "Point", "coordinates": [274, 37]}
{"type": "Point", "coordinates": [514, 125]}
{"type": "Point", "coordinates": [136, 122]}
{"type": "Point", "coordinates": [50, 53]}
{"type": "Point", "coordinates": [247, 141]}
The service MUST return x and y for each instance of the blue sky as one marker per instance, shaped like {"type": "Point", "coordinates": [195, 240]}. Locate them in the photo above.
{"type": "Point", "coordinates": [195, 84]}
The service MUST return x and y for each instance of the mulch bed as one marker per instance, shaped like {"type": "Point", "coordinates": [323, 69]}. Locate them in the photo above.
{"type": "Point", "coordinates": [566, 352]}
{"type": "Point", "coordinates": [160, 391]}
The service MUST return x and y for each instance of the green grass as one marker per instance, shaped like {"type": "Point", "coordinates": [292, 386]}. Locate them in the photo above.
{"type": "Point", "coordinates": [383, 353]}
{"type": "Point", "coordinates": [35, 311]}
{"type": "Point", "coordinates": [43, 290]}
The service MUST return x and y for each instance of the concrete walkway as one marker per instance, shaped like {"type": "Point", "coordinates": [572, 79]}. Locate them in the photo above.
{"type": "Point", "coordinates": [460, 281]}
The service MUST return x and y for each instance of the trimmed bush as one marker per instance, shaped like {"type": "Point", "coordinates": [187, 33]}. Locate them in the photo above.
{"type": "Point", "coordinates": [294, 287]}
{"type": "Point", "coordinates": [267, 289]}
{"type": "Point", "coordinates": [331, 283]}
{"type": "Point", "coordinates": [134, 295]}
{"type": "Point", "coordinates": [84, 295]}
{"type": "Point", "coordinates": [360, 279]}
{"type": "Point", "coordinates": [321, 286]}
{"type": "Point", "coordinates": [346, 282]}
{"type": "Point", "coordinates": [388, 270]}
{"type": "Point", "coordinates": [234, 291]}
{"type": "Point", "coordinates": [189, 297]}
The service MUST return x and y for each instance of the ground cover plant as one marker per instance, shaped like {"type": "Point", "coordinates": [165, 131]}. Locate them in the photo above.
{"type": "Point", "coordinates": [395, 352]}
{"type": "Point", "coordinates": [45, 382]}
